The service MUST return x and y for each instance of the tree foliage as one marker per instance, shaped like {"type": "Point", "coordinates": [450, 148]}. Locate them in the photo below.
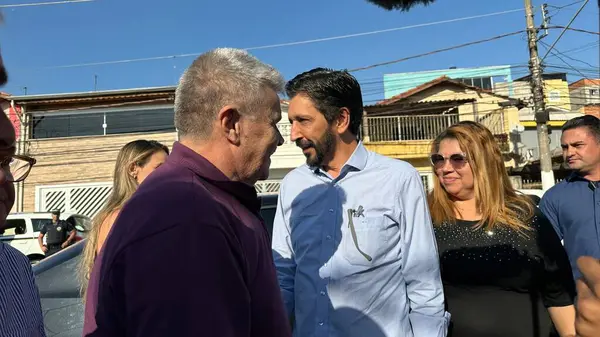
{"type": "Point", "coordinates": [402, 5]}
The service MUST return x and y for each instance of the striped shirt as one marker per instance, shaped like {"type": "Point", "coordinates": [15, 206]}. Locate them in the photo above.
{"type": "Point", "coordinates": [20, 309]}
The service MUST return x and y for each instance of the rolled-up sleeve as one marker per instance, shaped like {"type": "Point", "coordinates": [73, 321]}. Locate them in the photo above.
{"type": "Point", "coordinates": [421, 267]}
{"type": "Point", "coordinates": [283, 255]}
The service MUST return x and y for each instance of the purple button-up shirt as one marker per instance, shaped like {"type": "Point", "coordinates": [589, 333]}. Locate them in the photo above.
{"type": "Point", "coordinates": [188, 255]}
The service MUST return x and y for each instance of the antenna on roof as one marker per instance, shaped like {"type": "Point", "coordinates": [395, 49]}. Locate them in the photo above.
{"type": "Point", "coordinates": [95, 82]}
{"type": "Point", "coordinates": [24, 91]}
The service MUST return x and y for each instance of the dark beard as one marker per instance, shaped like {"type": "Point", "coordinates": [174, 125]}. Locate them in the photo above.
{"type": "Point", "coordinates": [323, 147]}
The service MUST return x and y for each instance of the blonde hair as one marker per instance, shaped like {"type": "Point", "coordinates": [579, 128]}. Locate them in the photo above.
{"type": "Point", "coordinates": [496, 199]}
{"type": "Point", "coordinates": [135, 153]}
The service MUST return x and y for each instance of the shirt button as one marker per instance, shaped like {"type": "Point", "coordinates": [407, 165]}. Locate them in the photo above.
{"type": "Point", "coordinates": [328, 237]}
{"type": "Point", "coordinates": [331, 210]}
{"type": "Point", "coordinates": [322, 293]}
{"type": "Point", "coordinates": [321, 323]}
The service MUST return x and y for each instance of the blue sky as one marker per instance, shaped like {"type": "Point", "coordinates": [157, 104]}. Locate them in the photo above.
{"type": "Point", "coordinates": [34, 39]}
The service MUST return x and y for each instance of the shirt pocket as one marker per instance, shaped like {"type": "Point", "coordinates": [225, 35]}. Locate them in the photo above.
{"type": "Point", "coordinates": [371, 241]}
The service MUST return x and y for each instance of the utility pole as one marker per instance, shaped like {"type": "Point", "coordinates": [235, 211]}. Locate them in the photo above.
{"type": "Point", "coordinates": [539, 106]}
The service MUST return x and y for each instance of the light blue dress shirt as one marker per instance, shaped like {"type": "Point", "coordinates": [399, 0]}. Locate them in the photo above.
{"type": "Point", "coordinates": [356, 255]}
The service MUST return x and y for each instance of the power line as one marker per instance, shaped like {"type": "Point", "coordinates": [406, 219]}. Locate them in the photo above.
{"type": "Point", "coordinates": [565, 29]}
{"type": "Point", "coordinates": [560, 58]}
{"type": "Point", "coordinates": [575, 30]}
{"type": "Point", "coordinates": [294, 43]}
{"type": "Point", "coordinates": [436, 51]}
{"type": "Point", "coordinates": [567, 5]}
{"type": "Point", "coordinates": [45, 3]}
{"type": "Point", "coordinates": [556, 51]}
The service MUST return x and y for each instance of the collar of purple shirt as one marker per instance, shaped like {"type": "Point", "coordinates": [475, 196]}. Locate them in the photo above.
{"type": "Point", "coordinates": [243, 192]}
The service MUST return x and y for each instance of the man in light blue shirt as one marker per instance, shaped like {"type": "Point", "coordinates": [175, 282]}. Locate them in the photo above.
{"type": "Point", "coordinates": [353, 242]}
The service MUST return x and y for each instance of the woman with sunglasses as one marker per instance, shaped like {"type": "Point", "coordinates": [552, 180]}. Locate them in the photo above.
{"type": "Point", "coordinates": [504, 269]}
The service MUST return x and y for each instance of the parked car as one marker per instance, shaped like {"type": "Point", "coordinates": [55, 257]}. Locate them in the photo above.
{"type": "Point", "coordinates": [57, 281]}
{"type": "Point", "coordinates": [21, 231]}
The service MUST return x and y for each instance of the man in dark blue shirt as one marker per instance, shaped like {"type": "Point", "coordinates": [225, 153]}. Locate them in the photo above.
{"type": "Point", "coordinates": [573, 205]}
{"type": "Point", "coordinates": [189, 254]}
{"type": "Point", "coordinates": [59, 234]}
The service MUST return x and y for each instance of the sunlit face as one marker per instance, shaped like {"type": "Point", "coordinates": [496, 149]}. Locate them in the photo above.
{"type": "Point", "coordinates": [452, 168]}
{"type": "Point", "coordinates": [155, 161]}
{"type": "Point", "coordinates": [581, 150]}
{"type": "Point", "coordinates": [311, 131]}
{"type": "Point", "coordinates": [260, 138]}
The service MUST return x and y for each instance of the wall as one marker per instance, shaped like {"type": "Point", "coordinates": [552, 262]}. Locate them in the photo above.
{"type": "Point", "coordinates": [556, 92]}
{"type": "Point", "coordinates": [529, 140]}
{"type": "Point", "coordinates": [398, 83]}
{"type": "Point", "coordinates": [593, 110]}
{"type": "Point", "coordinates": [77, 160]}
{"type": "Point", "coordinates": [580, 96]}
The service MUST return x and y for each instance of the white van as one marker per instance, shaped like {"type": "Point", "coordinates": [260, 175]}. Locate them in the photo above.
{"type": "Point", "coordinates": [21, 231]}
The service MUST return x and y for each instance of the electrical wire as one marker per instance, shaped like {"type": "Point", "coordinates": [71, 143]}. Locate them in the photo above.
{"type": "Point", "coordinates": [45, 3]}
{"type": "Point", "coordinates": [436, 51]}
{"type": "Point", "coordinates": [294, 43]}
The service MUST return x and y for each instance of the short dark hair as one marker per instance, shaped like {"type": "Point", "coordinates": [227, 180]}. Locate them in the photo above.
{"type": "Point", "coordinates": [330, 90]}
{"type": "Point", "coordinates": [592, 123]}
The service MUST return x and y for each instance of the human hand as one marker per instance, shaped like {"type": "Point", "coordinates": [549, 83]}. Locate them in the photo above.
{"type": "Point", "coordinates": [587, 321]}
{"type": "Point", "coordinates": [44, 249]}
{"type": "Point", "coordinates": [64, 245]}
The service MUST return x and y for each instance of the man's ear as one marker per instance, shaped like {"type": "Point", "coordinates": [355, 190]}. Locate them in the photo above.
{"type": "Point", "coordinates": [229, 123]}
{"type": "Point", "coordinates": [343, 121]}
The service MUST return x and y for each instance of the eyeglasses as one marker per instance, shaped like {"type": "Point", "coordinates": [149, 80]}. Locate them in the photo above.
{"type": "Point", "coordinates": [17, 168]}
{"type": "Point", "coordinates": [457, 160]}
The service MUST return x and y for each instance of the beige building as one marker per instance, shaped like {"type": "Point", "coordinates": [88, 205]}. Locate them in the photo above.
{"type": "Point", "coordinates": [405, 125]}
{"type": "Point", "coordinates": [558, 104]}
{"type": "Point", "coordinates": [76, 137]}
{"type": "Point", "coordinates": [585, 93]}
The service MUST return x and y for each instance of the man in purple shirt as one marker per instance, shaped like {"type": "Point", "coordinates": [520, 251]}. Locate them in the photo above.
{"type": "Point", "coordinates": [189, 254]}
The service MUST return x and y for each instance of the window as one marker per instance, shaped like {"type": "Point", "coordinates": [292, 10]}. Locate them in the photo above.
{"type": "Point", "coordinates": [159, 120]}
{"type": "Point", "coordinates": [38, 224]}
{"type": "Point", "coordinates": [594, 92]}
{"type": "Point", "coordinates": [78, 124]}
{"type": "Point", "coordinates": [14, 227]}
{"type": "Point", "coordinates": [554, 96]}
{"type": "Point", "coordinates": [74, 125]}
{"type": "Point", "coordinates": [480, 82]}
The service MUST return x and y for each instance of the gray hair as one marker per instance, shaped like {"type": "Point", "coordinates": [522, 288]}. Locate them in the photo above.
{"type": "Point", "coordinates": [217, 78]}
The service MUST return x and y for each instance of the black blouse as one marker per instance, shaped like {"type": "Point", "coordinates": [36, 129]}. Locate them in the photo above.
{"type": "Point", "coordinates": [499, 283]}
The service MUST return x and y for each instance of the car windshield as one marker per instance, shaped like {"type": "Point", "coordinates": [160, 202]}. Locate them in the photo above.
{"type": "Point", "coordinates": [81, 223]}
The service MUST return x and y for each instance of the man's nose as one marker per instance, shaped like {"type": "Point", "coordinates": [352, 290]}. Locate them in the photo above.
{"type": "Point", "coordinates": [280, 139]}
{"type": "Point", "coordinates": [294, 132]}
{"type": "Point", "coordinates": [569, 151]}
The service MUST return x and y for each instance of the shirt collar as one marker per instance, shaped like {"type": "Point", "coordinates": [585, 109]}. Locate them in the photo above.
{"type": "Point", "coordinates": [357, 160]}
{"type": "Point", "coordinates": [203, 168]}
{"type": "Point", "coordinates": [574, 176]}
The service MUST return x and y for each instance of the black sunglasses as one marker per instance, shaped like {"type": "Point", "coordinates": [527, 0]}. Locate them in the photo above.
{"type": "Point", "coordinates": [457, 160]}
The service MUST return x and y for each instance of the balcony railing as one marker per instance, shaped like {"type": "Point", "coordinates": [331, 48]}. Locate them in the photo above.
{"type": "Point", "coordinates": [399, 128]}
{"type": "Point", "coordinates": [424, 127]}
